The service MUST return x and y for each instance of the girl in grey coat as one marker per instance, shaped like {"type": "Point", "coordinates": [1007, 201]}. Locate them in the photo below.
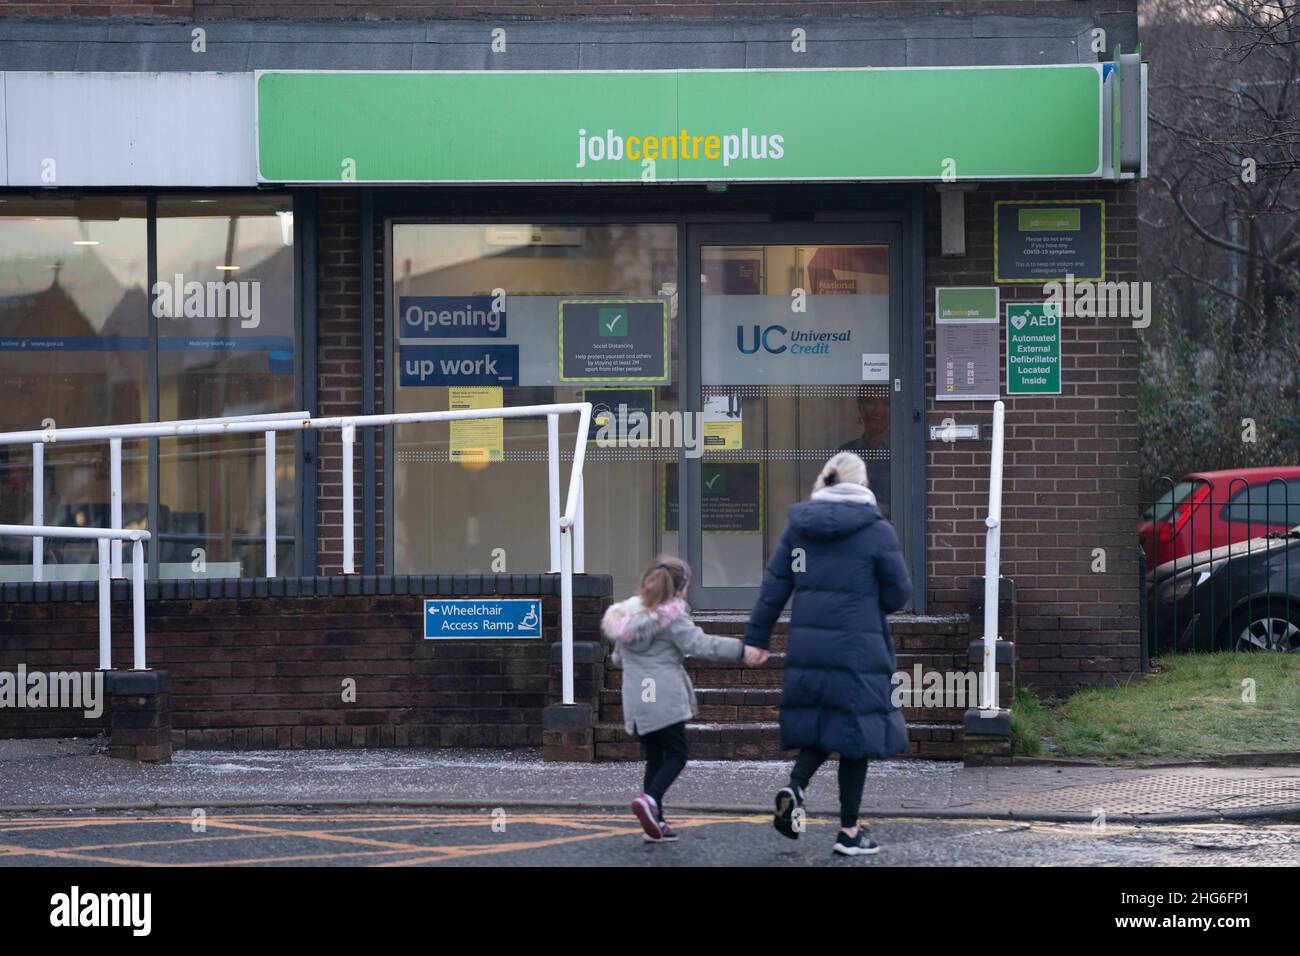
{"type": "Point", "coordinates": [652, 632]}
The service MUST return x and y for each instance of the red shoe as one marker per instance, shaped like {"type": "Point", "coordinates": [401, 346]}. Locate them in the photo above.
{"type": "Point", "coordinates": [647, 813]}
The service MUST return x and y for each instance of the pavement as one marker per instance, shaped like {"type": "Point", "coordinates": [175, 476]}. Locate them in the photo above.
{"type": "Point", "coordinates": [78, 775]}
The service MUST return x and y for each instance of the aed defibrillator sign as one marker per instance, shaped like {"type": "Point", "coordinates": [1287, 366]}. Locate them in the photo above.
{"type": "Point", "coordinates": [1033, 348]}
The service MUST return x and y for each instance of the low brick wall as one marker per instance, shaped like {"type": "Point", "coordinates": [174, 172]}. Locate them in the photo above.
{"type": "Point", "coordinates": [263, 664]}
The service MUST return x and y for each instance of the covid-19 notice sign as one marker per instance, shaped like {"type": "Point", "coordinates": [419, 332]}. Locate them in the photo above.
{"type": "Point", "coordinates": [614, 340]}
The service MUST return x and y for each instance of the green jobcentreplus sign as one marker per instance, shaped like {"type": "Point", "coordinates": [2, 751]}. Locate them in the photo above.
{"type": "Point", "coordinates": [502, 126]}
{"type": "Point", "coordinates": [1033, 349]}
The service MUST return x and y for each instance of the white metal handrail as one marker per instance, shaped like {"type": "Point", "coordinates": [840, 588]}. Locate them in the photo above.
{"type": "Point", "coordinates": [104, 536]}
{"type": "Point", "coordinates": [113, 434]}
{"type": "Point", "coordinates": [992, 569]}
{"type": "Point", "coordinates": [567, 551]}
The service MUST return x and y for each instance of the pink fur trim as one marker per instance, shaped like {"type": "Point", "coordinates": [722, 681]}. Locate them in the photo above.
{"type": "Point", "coordinates": [616, 624]}
{"type": "Point", "coordinates": [670, 611]}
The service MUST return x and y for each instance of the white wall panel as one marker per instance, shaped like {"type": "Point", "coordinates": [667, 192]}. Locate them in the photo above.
{"type": "Point", "coordinates": [128, 129]}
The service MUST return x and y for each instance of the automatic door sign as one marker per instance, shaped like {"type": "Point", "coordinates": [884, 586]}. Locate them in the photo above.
{"type": "Point", "coordinates": [459, 619]}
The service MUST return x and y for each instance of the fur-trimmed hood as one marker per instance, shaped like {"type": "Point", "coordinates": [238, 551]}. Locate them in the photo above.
{"type": "Point", "coordinates": [650, 646]}
{"type": "Point", "coordinates": [628, 624]}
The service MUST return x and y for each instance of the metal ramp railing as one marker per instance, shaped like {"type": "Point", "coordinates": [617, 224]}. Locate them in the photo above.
{"type": "Point", "coordinates": [565, 525]}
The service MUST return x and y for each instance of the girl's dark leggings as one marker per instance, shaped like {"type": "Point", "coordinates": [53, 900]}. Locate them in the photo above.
{"type": "Point", "coordinates": [665, 757]}
{"type": "Point", "coordinates": [853, 777]}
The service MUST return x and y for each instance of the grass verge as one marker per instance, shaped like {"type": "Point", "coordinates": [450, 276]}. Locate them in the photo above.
{"type": "Point", "coordinates": [1193, 706]}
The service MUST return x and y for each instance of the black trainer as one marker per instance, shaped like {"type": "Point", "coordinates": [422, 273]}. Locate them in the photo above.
{"type": "Point", "coordinates": [788, 799]}
{"type": "Point", "coordinates": [859, 845]}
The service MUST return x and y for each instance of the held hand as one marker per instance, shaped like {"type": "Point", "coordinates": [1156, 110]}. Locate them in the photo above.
{"type": "Point", "coordinates": [754, 656]}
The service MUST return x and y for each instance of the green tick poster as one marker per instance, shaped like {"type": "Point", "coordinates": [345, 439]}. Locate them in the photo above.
{"type": "Point", "coordinates": [614, 340]}
{"type": "Point", "coordinates": [731, 497]}
{"type": "Point", "coordinates": [1033, 349]}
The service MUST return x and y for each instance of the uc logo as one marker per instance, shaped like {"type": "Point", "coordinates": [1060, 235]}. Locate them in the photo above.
{"type": "Point", "coordinates": [760, 337]}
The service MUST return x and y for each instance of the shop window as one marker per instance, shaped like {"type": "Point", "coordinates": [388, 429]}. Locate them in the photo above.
{"type": "Point", "coordinates": [475, 498]}
{"type": "Point", "coordinates": [73, 348]}
{"type": "Point", "coordinates": [75, 337]}
{"type": "Point", "coordinates": [231, 354]}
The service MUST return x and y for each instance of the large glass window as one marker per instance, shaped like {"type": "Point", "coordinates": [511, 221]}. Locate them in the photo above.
{"type": "Point", "coordinates": [474, 498]}
{"type": "Point", "coordinates": [231, 354]}
{"type": "Point", "coordinates": [77, 322]}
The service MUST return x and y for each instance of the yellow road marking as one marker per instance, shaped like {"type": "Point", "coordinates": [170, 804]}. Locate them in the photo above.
{"type": "Point", "coordinates": [350, 829]}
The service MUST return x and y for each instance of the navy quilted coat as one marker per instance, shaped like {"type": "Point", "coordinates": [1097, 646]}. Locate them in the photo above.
{"type": "Point", "coordinates": [840, 663]}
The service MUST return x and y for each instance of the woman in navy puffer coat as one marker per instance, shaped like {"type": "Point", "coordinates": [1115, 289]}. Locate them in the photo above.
{"type": "Point", "coordinates": [841, 560]}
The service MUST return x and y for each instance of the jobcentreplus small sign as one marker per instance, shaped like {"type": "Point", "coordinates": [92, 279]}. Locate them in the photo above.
{"type": "Point", "coordinates": [480, 618]}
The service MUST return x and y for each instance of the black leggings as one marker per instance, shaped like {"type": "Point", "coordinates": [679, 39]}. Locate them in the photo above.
{"type": "Point", "coordinates": [665, 757]}
{"type": "Point", "coordinates": [853, 777]}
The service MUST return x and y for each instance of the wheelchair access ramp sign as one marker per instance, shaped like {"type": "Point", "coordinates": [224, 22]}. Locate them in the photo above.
{"type": "Point", "coordinates": [461, 619]}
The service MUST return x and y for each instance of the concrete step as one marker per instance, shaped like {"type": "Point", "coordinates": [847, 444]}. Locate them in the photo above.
{"type": "Point", "coordinates": [942, 661]}
{"type": "Point", "coordinates": [761, 740]}
{"type": "Point", "coordinates": [932, 633]}
{"type": "Point", "coordinates": [732, 674]}
{"type": "Point", "coordinates": [739, 705]}
{"type": "Point", "coordinates": [719, 674]}
{"type": "Point", "coordinates": [707, 741]}
{"type": "Point", "coordinates": [725, 705]}
{"type": "Point", "coordinates": [717, 705]}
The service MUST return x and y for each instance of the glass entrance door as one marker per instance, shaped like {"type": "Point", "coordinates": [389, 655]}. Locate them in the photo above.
{"type": "Point", "coordinates": [795, 356]}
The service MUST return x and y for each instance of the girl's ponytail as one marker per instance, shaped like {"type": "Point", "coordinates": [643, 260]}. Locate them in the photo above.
{"type": "Point", "coordinates": [663, 580]}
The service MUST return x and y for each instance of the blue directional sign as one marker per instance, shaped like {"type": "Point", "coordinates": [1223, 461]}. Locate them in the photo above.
{"type": "Point", "coordinates": [478, 618]}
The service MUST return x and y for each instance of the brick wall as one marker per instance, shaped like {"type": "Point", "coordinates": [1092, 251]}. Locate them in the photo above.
{"type": "Point", "coordinates": [549, 9]}
{"type": "Point", "coordinates": [339, 380]}
{"type": "Point", "coordinates": [1070, 478]}
{"type": "Point", "coordinates": [252, 672]}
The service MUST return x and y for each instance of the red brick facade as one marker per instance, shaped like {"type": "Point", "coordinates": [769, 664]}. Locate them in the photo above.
{"type": "Point", "coordinates": [339, 372]}
{"type": "Point", "coordinates": [262, 673]}
{"type": "Point", "coordinates": [1070, 479]}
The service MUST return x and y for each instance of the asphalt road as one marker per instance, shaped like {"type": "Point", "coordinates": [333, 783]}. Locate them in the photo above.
{"type": "Point", "coordinates": [566, 837]}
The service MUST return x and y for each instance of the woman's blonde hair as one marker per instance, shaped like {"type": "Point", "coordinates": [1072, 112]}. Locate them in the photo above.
{"type": "Point", "coordinates": [845, 468]}
{"type": "Point", "coordinates": [663, 580]}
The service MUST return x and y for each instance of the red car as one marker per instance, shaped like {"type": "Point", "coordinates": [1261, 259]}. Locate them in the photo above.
{"type": "Point", "coordinates": [1210, 509]}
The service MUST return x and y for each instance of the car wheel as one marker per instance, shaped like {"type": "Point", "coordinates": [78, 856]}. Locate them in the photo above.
{"type": "Point", "coordinates": [1266, 629]}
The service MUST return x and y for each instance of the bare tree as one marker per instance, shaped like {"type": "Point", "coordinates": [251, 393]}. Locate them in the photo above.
{"type": "Point", "coordinates": [1222, 209]}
